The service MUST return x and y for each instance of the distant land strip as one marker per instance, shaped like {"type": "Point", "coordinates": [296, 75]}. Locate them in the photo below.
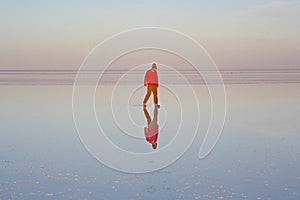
{"type": "Point", "coordinates": [127, 76]}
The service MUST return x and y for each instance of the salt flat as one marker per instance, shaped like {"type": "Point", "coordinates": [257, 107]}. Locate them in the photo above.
{"type": "Point", "coordinates": [257, 155]}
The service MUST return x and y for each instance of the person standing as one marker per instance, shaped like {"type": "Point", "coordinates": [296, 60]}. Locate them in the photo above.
{"type": "Point", "coordinates": [151, 81]}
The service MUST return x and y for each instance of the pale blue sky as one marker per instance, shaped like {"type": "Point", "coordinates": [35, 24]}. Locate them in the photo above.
{"type": "Point", "coordinates": [236, 33]}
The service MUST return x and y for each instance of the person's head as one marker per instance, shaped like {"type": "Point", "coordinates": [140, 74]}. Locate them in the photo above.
{"type": "Point", "coordinates": [154, 145]}
{"type": "Point", "coordinates": [154, 66]}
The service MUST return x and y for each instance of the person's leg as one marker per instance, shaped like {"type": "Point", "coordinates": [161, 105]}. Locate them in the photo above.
{"type": "Point", "coordinates": [154, 90]}
{"type": "Point", "coordinates": [147, 116]}
{"type": "Point", "coordinates": [147, 95]}
{"type": "Point", "coordinates": [155, 113]}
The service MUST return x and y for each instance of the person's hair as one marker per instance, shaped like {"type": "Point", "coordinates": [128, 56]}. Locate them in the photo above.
{"type": "Point", "coordinates": [154, 65]}
{"type": "Point", "coordinates": [154, 145]}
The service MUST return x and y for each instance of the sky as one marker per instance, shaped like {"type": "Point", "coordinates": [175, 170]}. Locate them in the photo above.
{"type": "Point", "coordinates": [237, 33]}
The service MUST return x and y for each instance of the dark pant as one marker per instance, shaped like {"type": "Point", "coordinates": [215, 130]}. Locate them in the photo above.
{"type": "Point", "coordinates": [153, 89]}
{"type": "Point", "coordinates": [154, 120]}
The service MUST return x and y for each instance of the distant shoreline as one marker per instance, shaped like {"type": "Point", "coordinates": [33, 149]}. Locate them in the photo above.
{"type": "Point", "coordinates": [134, 77]}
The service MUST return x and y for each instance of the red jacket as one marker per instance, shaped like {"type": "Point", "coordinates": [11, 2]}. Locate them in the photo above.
{"type": "Point", "coordinates": [151, 134]}
{"type": "Point", "coordinates": [151, 78]}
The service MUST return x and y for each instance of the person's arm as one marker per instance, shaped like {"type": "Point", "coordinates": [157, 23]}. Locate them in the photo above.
{"type": "Point", "coordinates": [145, 79]}
{"type": "Point", "coordinates": [145, 132]}
{"type": "Point", "coordinates": [157, 79]}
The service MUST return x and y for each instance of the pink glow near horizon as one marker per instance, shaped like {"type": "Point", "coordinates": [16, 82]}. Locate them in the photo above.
{"type": "Point", "coordinates": [240, 35]}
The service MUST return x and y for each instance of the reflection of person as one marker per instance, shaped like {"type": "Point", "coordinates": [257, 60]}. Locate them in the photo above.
{"type": "Point", "coordinates": [151, 79]}
{"type": "Point", "coordinates": [151, 131]}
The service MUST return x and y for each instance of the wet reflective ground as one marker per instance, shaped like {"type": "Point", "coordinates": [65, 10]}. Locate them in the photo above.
{"type": "Point", "coordinates": [257, 156]}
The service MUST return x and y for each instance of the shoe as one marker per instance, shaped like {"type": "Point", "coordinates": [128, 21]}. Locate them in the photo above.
{"type": "Point", "coordinates": [157, 106]}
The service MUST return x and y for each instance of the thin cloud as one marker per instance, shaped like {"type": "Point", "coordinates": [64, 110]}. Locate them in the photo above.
{"type": "Point", "coordinates": [275, 8]}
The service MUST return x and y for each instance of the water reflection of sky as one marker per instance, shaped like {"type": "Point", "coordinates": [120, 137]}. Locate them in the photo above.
{"type": "Point", "coordinates": [257, 156]}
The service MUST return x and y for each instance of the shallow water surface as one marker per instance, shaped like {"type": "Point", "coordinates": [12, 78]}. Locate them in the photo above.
{"type": "Point", "coordinates": [256, 157]}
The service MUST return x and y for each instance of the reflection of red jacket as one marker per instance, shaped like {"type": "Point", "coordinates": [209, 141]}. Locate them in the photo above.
{"type": "Point", "coordinates": [151, 134]}
{"type": "Point", "coordinates": [151, 78]}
